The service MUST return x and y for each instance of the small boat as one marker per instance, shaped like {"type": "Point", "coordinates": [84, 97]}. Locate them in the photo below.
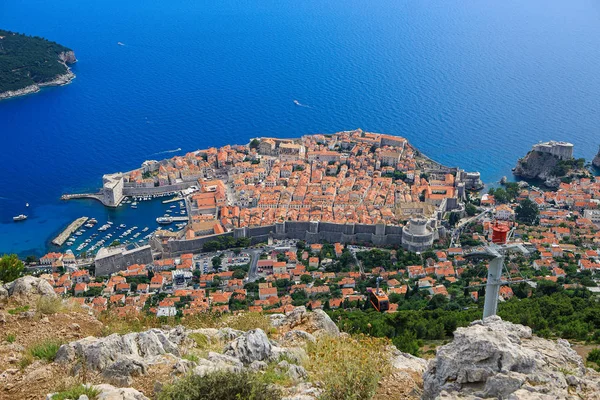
{"type": "Point", "coordinates": [20, 217]}
{"type": "Point", "coordinates": [164, 220]}
{"type": "Point", "coordinates": [26, 204]}
{"type": "Point", "coordinates": [121, 43]}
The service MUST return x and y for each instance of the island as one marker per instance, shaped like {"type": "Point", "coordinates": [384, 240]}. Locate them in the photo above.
{"type": "Point", "coordinates": [28, 63]}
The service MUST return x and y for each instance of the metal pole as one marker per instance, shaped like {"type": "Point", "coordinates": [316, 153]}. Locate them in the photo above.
{"type": "Point", "coordinates": [493, 286]}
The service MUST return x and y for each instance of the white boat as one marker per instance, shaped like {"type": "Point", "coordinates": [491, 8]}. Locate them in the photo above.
{"type": "Point", "coordinates": [164, 220]}
{"type": "Point", "coordinates": [20, 217]}
{"type": "Point", "coordinates": [26, 204]}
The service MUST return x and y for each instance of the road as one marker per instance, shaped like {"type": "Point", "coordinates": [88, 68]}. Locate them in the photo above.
{"type": "Point", "coordinates": [254, 257]}
{"type": "Point", "coordinates": [463, 223]}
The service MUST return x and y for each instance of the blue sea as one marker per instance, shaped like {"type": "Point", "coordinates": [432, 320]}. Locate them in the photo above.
{"type": "Point", "coordinates": [472, 83]}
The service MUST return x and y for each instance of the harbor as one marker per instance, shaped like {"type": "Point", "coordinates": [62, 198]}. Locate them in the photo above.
{"type": "Point", "coordinates": [73, 226]}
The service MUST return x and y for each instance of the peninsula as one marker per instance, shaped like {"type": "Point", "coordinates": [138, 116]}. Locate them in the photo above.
{"type": "Point", "coordinates": [28, 63]}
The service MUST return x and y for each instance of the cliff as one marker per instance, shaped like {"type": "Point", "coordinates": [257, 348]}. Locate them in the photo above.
{"type": "Point", "coordinates": [542, 166]}
{"type": "Point", "coordinates": [596, 160]}
{"type": "Point", "coordinates": [28, 63]}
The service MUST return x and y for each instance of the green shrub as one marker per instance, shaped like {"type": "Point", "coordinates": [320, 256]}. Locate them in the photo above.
{"type": "Point", "coordinates": [45, 350]}
{"type": "Point", "coordinates": [220, 386]}
{"type": "Point", "coordinates": [10, 337]}
{"type": "Point", "coordinates": [75, 392]}
{"type": "Point", "coordinates": [48, 305]}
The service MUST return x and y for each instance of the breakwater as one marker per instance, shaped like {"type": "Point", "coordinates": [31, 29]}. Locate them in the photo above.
{"type": "Point", "coordinates": [73, 226]}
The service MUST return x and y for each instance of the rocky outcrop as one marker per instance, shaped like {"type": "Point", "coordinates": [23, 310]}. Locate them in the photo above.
{"type": "Point", "coordinates": [119, 357]}
{"type": "Point", "coordinates": [27, 287]}
{"type": "Point", "coordinates": [596, 160]}
{"type": "Point", "coordinates": [252, 346]}
{"type": "Point", "coordinates": [537, 165]}
{"type": "Point", "coordinates": [497, 359]}
{"type": "Point", "coordinates": [67, 57]}
{"type": "Point", "coordinates": [316, 322]}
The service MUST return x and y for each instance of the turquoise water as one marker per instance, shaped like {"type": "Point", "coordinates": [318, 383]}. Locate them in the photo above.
{"type": "Point", "coordinates": [471, 83]}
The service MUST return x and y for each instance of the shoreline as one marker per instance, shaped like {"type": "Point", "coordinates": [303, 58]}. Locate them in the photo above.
{"type": "Point", "coordinates": [60, 80]}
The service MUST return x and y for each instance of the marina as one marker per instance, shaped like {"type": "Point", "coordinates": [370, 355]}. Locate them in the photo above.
{"type": "Point", "coordinates": [64, 235]}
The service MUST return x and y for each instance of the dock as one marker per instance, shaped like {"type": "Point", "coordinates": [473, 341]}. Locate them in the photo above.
{"type": "Point", "coordinates": [173, 200]}
{"type": "Point", "coordinates": [73, 226]}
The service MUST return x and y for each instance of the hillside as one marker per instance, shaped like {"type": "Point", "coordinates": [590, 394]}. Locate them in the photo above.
{"type": "Point", "coordinates": [29, 62]}
{"type": "Point", "coordinates": [55, 349]}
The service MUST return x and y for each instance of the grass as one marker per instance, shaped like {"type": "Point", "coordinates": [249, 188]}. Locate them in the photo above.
{"type": "Point", "coordinates": [18, 310]}
{"type": "Point", "coordinates": [141, 322]}
{"type": "Point", "coordinates": [275, 376]}
{"type": "Point", "coordinates": [204, 345]}
{"type": "Point", "coordinates": [25, 361]}
{"type": "Point", "coordinates": [348, 368]}
{"type": "Point", "coordinates": [47, 305]}
{"type": "Point", "coordinates": [75, 391]}
{"type": "Point", "coordinates": [191, 357]}
{"type": "Point", "coordinates": [10, 337]}
{"type": "Point", "coordinates": [44, 350]}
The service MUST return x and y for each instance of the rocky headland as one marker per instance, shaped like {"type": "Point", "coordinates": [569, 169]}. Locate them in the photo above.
{"type": "Point", "coordinates": [489, 359]}
{"type": "Point", "coordinates": [550, 162]}
{"type": "Point", "coordinates": [596, 160]}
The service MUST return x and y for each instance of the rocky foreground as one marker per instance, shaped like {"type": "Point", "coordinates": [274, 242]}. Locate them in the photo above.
{"type": "Point", "coordinates": [488, 359]}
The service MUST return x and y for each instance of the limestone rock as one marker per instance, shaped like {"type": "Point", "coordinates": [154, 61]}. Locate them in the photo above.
{"type": "Point", "coordinates": [27, 286]}
{"type": "Point", "coordinates": [297, 337]}
{"type": "Point", "coordinates": [497, 359]}
{"type": "Point", "coordinates": [316, 322]}
{"type": "Point", "coordinates": [120, 372]}
{"type": "Point", "coordinates": [252, 346]}
{"type": "Point", "coordinates": [108, 392]}
{"type": "Point", "coordinates": [405, 361]}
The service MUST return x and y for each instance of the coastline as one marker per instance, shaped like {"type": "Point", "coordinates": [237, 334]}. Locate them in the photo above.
{"type": "Point", "coordinates": [59, 80]}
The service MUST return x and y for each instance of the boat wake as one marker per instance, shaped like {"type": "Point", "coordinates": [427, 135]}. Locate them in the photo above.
{"type": "Point", "coordinates": [296, 102]}
{"type": "Point", "coordinates": [167, 151]}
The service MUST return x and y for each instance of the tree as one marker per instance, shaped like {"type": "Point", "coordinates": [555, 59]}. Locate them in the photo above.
{"type": "Point", "coordinates": [10, 268]}
{"type": "Point", "coordinates": [470, 209]}
{"type": "Point", "coordinates": [216, 262]}
{"type": "Point", "coordinates": [254, 143]}
{"type": "Point", "coordinates": [527, 212]}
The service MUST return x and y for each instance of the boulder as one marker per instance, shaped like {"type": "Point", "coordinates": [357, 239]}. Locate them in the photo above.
{"type": "Point", "coordinates": [497, 359]}
{"type": "Point", "coordinates": [297, 338]}
{"type": "Point", "coordinates": [109, 392]}
{"type": "Point", "coordinates": [27, 286]}
{"type": "Point", "coordinates": [405, 361]}
{"type": "Point", "coordinates": [120, 372]}
{"type": "Point", "coordinates": [316, 322]}
{"type": "Point", "coordinates": [252, 346]}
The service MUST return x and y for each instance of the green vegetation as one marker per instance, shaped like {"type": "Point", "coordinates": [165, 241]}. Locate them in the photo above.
{"type": "Point", "coordinates": [593, 358]}
{"type": "Point", "coordinates": [18, 310]}
{"type": "Point", "coordinates": [254, 143]}
{"type": "Point", "coordinates": [27, 60]}
{"type": "Point", "coordinates": [227, 242]}
{"type": "Point", "coordinates": [527, 212]}
{"type": "Point", "coordinates": [220, 386]}
{"type": "Point", "coordinates": [74, 392]}
{"type": "Point", "coordinates": [10, 337]}
{"type": "Point", "coordinates": [565, 166]}
{"type": "Point", "coordinates": [550, 311]}
{"type": "Point", "coordinates": [44, 350]}
{"type": "Point", "coordinates": [10, 265]}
